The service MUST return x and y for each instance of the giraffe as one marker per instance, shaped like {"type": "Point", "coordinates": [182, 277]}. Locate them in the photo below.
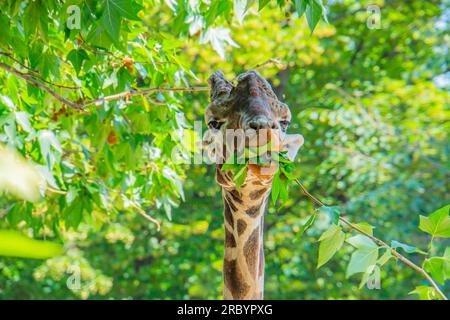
{"type": "Point", "coordinates": [250, 105]}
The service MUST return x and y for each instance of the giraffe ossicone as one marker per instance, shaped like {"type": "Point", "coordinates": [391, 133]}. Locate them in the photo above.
{"type": "Point", "coordinates": [240, 115]}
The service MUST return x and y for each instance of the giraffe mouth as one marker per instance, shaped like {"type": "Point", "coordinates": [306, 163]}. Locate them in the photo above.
{"type": "Point", "coordinates": [256, 147]}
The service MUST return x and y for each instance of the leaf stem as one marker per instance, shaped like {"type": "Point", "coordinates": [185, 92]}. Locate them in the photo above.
{"type": "Point", "coordinates": [379, 242]}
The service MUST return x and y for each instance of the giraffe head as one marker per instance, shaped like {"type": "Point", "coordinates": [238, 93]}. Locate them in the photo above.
{"type": "Point", "coordinates": [250, 107]}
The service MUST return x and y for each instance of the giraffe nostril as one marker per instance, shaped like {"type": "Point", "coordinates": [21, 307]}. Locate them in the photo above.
{"type": "Point", "coordinates": [260, 123]}
{"type": "Point", "coordinates": [254, 125]}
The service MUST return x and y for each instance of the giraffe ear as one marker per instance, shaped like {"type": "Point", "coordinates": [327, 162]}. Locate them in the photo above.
{"type": "Point", "coordinates": [291, 143]}
{"type": "Point", "coordinates": [220, 87]}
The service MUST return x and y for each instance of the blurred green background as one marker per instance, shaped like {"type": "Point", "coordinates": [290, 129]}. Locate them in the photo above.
{"type": "Point", "coordinates": [373, 106]}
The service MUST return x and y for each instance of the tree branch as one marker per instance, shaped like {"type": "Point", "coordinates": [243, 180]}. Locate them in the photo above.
{"type": "Point", "coordinates": [39, 85]}
{"type": "Point", "coordinates": [128, 94]}
{"type": "Point", "coordinates": [378, 242]}
{"type": "Point", "coordinates": [36, 73]}
{"type": "Point", "coordinates": [81, 106]}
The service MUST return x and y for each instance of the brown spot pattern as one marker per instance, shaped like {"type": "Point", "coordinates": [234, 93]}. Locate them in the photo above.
{"type": "Point", "coordinates": [220, 178]}
{"type": "Point", "coordinates": [257, 193]}
{"type": "Point", "coordinates": [230, 241]}
{"type": "Point", "coordinates": [241, 226]}
{"type": "Point", "coordinates": [230, 203]}
{"type": "Point", "coordinates": [234, 279]}
{"type": "Point", "coordinates": [235, 196]}
{"type": "Point", "coordinates": [253, 211]}
{"type": "Point", "coordinates": [228, 215]}
{"type": "Point", "coordinates": [251, 251]}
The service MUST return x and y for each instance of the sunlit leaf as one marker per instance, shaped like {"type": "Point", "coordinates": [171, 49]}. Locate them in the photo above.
{"type": "Point", "coordinates": [437, 224]}
{"type": "Point", "coordinates": [307, 224]}
{"type": "Point", "coordinates": [15, 244]}
{"type": "Point", "coordinates": [426, 293]}
{"type": "Point", "coordinates": [330, 242]}
{"type": "Point", "coordinates": [364, 257]}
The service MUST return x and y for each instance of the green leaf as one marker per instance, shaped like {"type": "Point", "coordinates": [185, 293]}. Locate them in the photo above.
{"type": "Point", "coordinates": [439, 267]}
{"type": "Point", "coordinates": [426, 293]}
{"type": "Point", "coordinates": [364, 257]}
{"type": "Point", "coordinates": [407, 248]}
{"type": "Point", "coordinates": [437, 224]}
{"type": "Point", "coordinates": [112, 16]}
{"type": "Point", "coordinates": [48, 141]}
{"type": "Point", "coordinates": [5, 37]}
{"type": "Point", "coordinates": [73, 214]}
{"type": "Point", "coordinates": [228, 166]}
{"type": "Point", "coordinates": [362, 242]}
{"type": "Point", "coordinates": [168, 209]}
{"type": "Point", "coordinates": [333, 212]}
{"type": "Point", "coordinates": [249, 4]}
{"type": "Point", "coordinates": [313, 14]}
{"type": "Point", "coordinates": [385, 257]}
{"type": "Point", "coordinates": [76, 57]}
{"type": "Point", "coordinates": [300, 6]}
{"type": "Point", "coordinates": [330, 242]}
{"type": "Point", "coordinates": [23, 118]}
{"type": "Point", "coordinates": [364, 226]}
{"type": "Point", "coordinates": [99, 37]}
{"type": "Point", "coordinates": [240, 9]}
{"type": "Point", "coordinates": [32, 14]}
{"type": "Point", "coordinates": [307, 224]}
{"type": "Point", "coordinates": [262, 4]}
{"type": "Point", "coordinates": [276, 185]}
{"type": "Point", "coordinates": [286, 172]}
{"type": "Point", "coordinates": [240, 175]}
{"type": "Point", "coordinates": [71, 195]}
{"type": "Point", "coordinates": [15, 244]}
{"type": "Point", "coordinates": [284, 192]}
{"type": "Point", "coordinates": [7, 102]}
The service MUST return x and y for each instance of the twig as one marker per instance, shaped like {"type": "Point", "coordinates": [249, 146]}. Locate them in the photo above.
{"type": "Point", "coordinates": [270, 61]}
{"type": "Point", "coordinates": [95, 50]}
{"type": "Point", "coordinates": [128, 94]}
{"type": "Point", "coordinates": [146, 216]}
{"type": "Point", "coordinates": [81, 106]}
{"type": "Point", "coordinates": [56, 190]}
{"type": "Point", "coordinates": [9, 55]}
{"type": "Point", "coordinates": [36, 83]}
{"type": "Point", "coordinates": [379, 242]}
{"type": "Point", "coordinates": [262, 64]}
{"type": "Point", "coordinates": [36, 73]}
{"type": "Point", "coordinates": [157, 103]}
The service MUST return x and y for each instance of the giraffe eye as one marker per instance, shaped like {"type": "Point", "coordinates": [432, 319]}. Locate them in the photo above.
{"type": "Point", "coordinates": [213, 124]}
{"type": "Point", "coordinates": [284, 124]}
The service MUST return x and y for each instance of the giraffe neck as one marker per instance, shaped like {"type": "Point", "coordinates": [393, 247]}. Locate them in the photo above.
{"type": "Point", "coordinates": [243, 268]}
